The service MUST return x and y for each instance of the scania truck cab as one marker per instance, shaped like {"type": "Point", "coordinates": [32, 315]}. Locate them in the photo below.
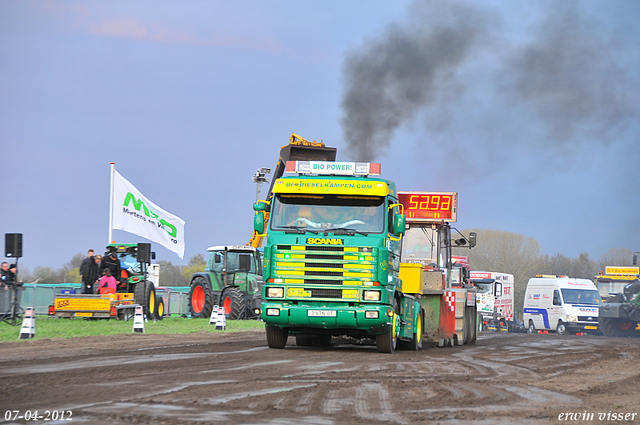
{"type": "Point", "coordinates": [332, 258]}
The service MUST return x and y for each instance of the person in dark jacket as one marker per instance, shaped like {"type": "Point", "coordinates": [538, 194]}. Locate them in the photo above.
{"type": "Point", "coordinates": [111, 262]}
{"type": "Point", "coordinates": [88, 273]}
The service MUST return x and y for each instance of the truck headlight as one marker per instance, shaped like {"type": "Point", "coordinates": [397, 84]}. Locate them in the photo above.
{"type": "Point", "coordinates": [371, 295]}
{"type": "Point", "coordinates": [275, 292]}
{"type": "Point", "coordinates": [273, 312]}
{"type": "Point", "coordinates": [571, 318]}
{"type": "Point", "coordinates": [371, 314]}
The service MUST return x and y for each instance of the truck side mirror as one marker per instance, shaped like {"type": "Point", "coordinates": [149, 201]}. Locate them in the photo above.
{"type": "Point", "coordinates": [259, 206]}
{"type": "Point", "coordinates": [498, 289]}
{"type": "Point", "coordinates": [472, 239]}
{"type": "Point", "coordinates": [258, 222]}
{"type": "Point", "coordinates": [399, 224]}
{"type": "Point", "coordinates": [635, 259]}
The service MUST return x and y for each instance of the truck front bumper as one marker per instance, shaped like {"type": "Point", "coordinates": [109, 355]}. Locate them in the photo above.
{"type": "Point", "coordinates": [372, 318]}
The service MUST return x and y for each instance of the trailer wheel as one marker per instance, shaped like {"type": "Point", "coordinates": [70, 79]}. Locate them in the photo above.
{"type": "Point", "coordinates": [145, 295]}
{"type": "Point", "coordinates": [618, 327]}
{"type": "Point", "coordinates": [387, 342]}
{"type": "Point", "coordinates": [160, 309]}
{"type": "Point", "coordinates": [416, 343]}
{"type": "Point", "coordinates": [200, 298]}
{"type": "Point", "coordinates": [532, 328]}
{"type": "Point", "coordinates": [233, 302]}
{"type": "Point", "coordinates": [561, 329]}
{"type": "Point", "coordinates": [276, 337]}
{"type": "Point", "coordinates": [303, 341]}
{"type": "Point", "coordinates": [322, 341]}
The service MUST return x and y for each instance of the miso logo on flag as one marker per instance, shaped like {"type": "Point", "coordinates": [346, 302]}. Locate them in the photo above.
{"type": "Point", "coordinates": [134, 213]}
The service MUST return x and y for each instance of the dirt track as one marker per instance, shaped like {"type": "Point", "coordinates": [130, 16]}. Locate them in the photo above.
{"type": "Point", "coordinates": [235, 378]}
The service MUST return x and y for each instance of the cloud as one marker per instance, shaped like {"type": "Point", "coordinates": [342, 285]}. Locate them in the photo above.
{"type": "Point", "coordinates": [129, 28]}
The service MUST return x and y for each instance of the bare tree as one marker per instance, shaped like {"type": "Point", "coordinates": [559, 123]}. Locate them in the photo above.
{"type": "Point", "coordinates": [616, 257]}
{"type": "Point", "coordinates": [506, 252]}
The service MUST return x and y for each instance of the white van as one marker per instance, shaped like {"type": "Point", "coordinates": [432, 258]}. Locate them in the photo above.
{"type": "Point", "coordinates": [561, 303]}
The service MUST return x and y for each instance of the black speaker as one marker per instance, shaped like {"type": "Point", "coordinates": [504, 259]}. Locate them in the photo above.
{"type": "Point", "coordinates": [13, 245]}
{"type": "Point", "coordinates": [144, 253]}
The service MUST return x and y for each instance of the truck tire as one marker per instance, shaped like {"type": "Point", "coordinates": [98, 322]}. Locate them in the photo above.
{"type": "Point", "coordinates": [618, 327]}
{"type": "Point", "coordinates": [276, 337]}
{"type": "Point", "coordinates": [561, 329]}
{"type": "Point", "coordinates": [200, 298]}
{"type": "Point", "coordinates": [388, 341]}
{"type": "Point", "coordinates": [233, 302]}
{"type": "Point", "coordinates": [416, 342]}
{"type": "Point", "coordinates": [145, 295]}
{"type": "Point", "coordinates": [160, 309]}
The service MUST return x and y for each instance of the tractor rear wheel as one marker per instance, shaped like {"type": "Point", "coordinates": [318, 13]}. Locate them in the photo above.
{"type": "Point", "coordinates": [145, 295]}
{"type": "Point", "coordinates": [618, 327]}
{"type": "Point", "coordinates": [276, 337]}
{"type": "Point", "coordinates": [233, 303]}
{"type": "Point", "coordinates": [200, 298]}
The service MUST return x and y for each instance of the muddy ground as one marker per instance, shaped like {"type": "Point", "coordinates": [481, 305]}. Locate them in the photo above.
{"type": "Point", "coordinates": [235, 378]}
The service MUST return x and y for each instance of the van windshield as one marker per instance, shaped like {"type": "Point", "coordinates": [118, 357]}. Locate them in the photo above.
{"type": "Point", "coordinates": [581, 296]}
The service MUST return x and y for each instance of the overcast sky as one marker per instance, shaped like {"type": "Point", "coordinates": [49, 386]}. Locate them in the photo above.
{"type": "Point", "coordinates": [529, 110]}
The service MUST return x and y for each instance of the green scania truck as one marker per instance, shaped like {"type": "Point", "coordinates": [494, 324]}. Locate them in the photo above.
{"type": "Point", "coordinates": [332, 258]}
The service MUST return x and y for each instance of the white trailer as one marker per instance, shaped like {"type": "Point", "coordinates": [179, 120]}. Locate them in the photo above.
{"type": "Point", "coordinates": [494, 299]}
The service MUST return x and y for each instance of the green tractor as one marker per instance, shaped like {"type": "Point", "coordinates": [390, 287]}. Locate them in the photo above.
{"type": "Point", "coordinates": [134, 261]}
{"type": "Point", "coordinates": [232, 279]}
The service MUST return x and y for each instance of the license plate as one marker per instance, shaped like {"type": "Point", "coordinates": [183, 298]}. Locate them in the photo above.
{"type": "Point", "coordinates": [83, 314]}
{"type": "Point", "coordinates": [591, 327]}
{"type": "Point", "coordinates": [322, 313]}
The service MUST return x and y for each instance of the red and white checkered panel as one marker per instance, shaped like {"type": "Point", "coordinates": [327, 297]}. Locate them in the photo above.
{"type": "Point", "coordinates": [450, 299]}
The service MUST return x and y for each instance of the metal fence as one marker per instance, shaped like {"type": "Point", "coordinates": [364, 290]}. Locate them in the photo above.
{"type": "Point", "coordinates": [40, 296]}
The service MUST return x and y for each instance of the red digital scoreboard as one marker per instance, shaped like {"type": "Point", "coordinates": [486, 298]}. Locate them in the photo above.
{"type": "Point", "coordinates": [429, 206]}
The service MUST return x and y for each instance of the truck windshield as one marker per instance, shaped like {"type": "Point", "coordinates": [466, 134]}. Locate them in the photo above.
{"type": "Point", "coordinates": [484, 288]}
{"type": "Point", "coordinates": [581, 296]}
{"type": "Point", "coordinates": [328, 212]}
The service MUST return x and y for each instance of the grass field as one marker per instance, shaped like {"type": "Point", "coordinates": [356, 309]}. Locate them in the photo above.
{"type": "Point", "coordinates": [78, 327]}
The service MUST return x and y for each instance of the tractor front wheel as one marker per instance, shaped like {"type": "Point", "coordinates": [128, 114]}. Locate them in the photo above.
{"type": "Point", "coordinates": [200, 298]}
{"type": "Point", "coordinates": [233, 303]}
{"type": "Point", "coordinates": [618, 327]}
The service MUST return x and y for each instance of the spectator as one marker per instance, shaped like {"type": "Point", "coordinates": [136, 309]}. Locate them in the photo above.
{"type": "Point", "coordinates": [111, 262]}
{"type": "Point", "coordinates": [109, 281]}
{"type": "Point", "coordinates": [88, 273]}
{"type": "Point", "coordinates": [5, 275]}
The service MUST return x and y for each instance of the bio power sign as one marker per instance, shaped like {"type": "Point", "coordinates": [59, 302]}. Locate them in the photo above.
{"type": "Point", "coordinates": [134, 213]}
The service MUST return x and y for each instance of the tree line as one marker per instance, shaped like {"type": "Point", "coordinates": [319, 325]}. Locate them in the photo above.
{"type": "Point", "coordinates": [521, 256]}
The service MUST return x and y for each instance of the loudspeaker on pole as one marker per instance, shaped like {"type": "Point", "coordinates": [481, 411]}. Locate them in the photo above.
{"type": "Point", "coordinates": [13, 245]}
{"type": "Point", "coordinates": [144, 253]}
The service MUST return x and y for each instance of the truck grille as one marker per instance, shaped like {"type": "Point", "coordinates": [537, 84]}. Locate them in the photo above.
{"type": "Point", "coordinates": [325, 265]}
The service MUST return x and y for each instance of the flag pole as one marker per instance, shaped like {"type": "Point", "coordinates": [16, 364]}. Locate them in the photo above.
{"type": "Point", "coordinates": [113, 168]}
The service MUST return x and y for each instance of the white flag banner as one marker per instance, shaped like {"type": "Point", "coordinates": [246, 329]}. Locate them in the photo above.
{"type": "Point", "coordinates": [134, 213]}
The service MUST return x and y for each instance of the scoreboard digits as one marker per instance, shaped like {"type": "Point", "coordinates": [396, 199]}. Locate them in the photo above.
{"type": "Point", "coordinates": [429, 206]}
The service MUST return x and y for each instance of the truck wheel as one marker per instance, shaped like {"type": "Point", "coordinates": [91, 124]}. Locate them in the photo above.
{"type": "Point", "coordinates": [276, 337]}
{"type": "Point", "coordinates": [233, 302]}
{"type": "Point", "coordinates": [200, 298]}
{"type": "Point", "coordinates": [303, 341]}
{"type": "Point", "coordinates": [160, 309]}
{"type": "Point", "coordinates": [561, 329]}
{"type": "Point", "coordinates": [479, 321]}
{"type": "Point", "coordinates": [617, 327]}
{"type": "Point", "coordinates": [416, 343]}
{"type": "Point", "coordinates": [387, 342]}
{"type": "Point", "coordinates": [145, 295]}
{"type": "Point", "coordinates": [531, 329]}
